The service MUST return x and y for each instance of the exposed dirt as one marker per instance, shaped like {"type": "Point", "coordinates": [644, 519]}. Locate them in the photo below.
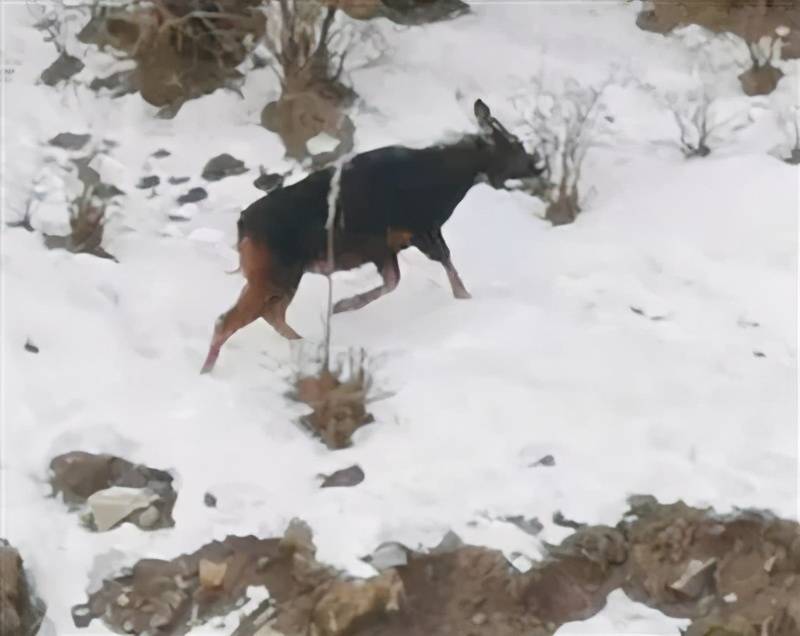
{"type": "Point", "coordinates": [21, 613]}
{"type": "Point", "coordinates": [79, 476]}
{"type": "Point", "coordinates": [749, 19]}
{"type": "Point", "coordinates": [182, 48]}
{"type": "Point", "coordinates": [737, 575]}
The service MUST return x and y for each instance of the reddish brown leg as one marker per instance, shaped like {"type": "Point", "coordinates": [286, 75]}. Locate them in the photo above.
{"type": "Point", "coordinates": [390, 272]}
{"type": "Point", "coordinates": [247, 309]}
{"type": "Point", "coordinates": [275, 314]}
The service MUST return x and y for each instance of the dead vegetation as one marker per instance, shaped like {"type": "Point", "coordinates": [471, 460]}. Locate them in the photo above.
{"type": "Point", "coordinates": [749, 19]}
{"type": "Point", "coordinates": [563, 124]}
{"type": "Point", "coordinates": [736, 574]}
{"type": "Point", "coordinates": [769, 28]}
{"type": "Point", "coordinates": [699, 120]}
{"type": "Point", "coordinates": [87, 214]}
{"type": "Point", "coordinates": [311, 43]}
{"type": "Point", "coordinates": [763, 76]}
{"type": "Point", "coordinates": [181, 49]}
{"type": "Point", "coordinates": [337, 394]}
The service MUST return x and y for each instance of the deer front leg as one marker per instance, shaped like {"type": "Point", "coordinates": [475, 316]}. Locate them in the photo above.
{"type": "Point", "coordinates": [433, 246]}
{"type": "Point", "coordinates": [390, 272]}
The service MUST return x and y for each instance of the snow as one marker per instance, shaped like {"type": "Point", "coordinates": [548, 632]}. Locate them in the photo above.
{"type": "Point", "coordinates": [623, 616]}
{"type": "Point", "coordinates": [547, 358]}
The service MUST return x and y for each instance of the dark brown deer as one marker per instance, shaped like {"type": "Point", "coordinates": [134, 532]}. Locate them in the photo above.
{"type": "Point", "coordinates": [382, 201]}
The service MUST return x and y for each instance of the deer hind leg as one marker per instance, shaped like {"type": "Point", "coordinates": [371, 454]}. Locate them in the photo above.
{"type": "Point", "coordinates": [390, 272]}
{"type": "Point", "coordinates": [247, 309]}
{"type": "Point", "coordinates": [275, 314]}
{"type": "Point", "coordinates": [254, 261]}
{"type": "Point", "coordinates": [433, 246]}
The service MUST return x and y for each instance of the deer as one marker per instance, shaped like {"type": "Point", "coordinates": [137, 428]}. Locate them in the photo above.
{"type": "Point", "coordinates": [375, 204]}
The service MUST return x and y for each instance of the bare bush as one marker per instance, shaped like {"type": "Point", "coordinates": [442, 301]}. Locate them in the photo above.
{"type": "Point", "coordinates": [87, 214]}
{"type": "Point", "coordinates": [563, 124]}
{"type": "Point", "coordinates": [310, 42]}
{"type": "Point", "coordinates": [337, 392]}
{"type": "Point", "coordinates": [700, 121]}
{"type": "Point", "coordinates": [182, 48]}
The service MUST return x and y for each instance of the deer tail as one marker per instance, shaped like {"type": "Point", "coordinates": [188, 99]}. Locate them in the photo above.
{"type": "Point", "coordinates": [238, 243]}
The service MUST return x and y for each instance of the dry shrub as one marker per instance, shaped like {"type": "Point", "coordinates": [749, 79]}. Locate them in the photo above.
{"type": "Point", "coordinates": [182, 48]}
{"type": "Point", "coordinates": [87, 215]}
{"type": "Point", "coordinates": [700, 120]}
{"type": "Point", "coordinates": [563, 123]}
{"type": "Point", "coordinates": [338, 397]}
{"type": "Point", "coordinates": [310, 42]}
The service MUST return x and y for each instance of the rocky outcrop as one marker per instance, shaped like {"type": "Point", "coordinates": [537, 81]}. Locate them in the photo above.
{"type": "Point", "coordinates": [114, 491]}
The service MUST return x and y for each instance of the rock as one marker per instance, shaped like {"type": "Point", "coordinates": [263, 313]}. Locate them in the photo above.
{"type": "Point", "coordinates": [268, 181]}
{"type": "Point", "coordinates": [145, 183]}
{"type": "Point", "coordinates": [530, 526]}
{"type": "Point", "coordinates": [388, 555]}
{"type": "Point", "coordinates": [211, 574]}
{"type": "Point", "coordinates": [21, 612]}
{"type": "Point", "coordinates": [348, 604]}
{"type": "Point", "coordinates": [64, 67]}
{"type": "Point", "coordinates": [344, 478]}
{"type": "Point", "coordinates": [547, 460]}
{"type": "Point", "coordinates": [297, 538]}
{"type": "Point", "coordinates": [112, 505]}
{"type": "Point", "coordinates": [210, 500]}
{"type": "Point", "coordinates": [414, 12]}
{"type": "Point", "coordinates": [30, 347]}
{"type": "Point", "coordinates": [222, 166]}
{"type": "Point", "coordinates": [107, 191]}
{"type": "Point", "coordinates": [118, 84]}
{"type": "Point", "coordinates": [148, 518]}
{"type": "Point", "coordinates": [77, 476]}
{"type": "Point", "coordinates": [184, 213]}
{"type": "Point", "coordinates": [193, 196]}
{"type": "Point", "coordinates": [760, 80]}
{"type": "Point", "coordinates": [449, 543]}
{"type": "Point", "coordinates": [69, 141]}
{"type": "Point", "coordinates": [696, 578]}
{"type": "Point", "coordinates": [178, 180]}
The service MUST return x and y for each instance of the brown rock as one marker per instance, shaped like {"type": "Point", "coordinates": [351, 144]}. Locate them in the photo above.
{"type": "Point", "coordinates": [211, 574]}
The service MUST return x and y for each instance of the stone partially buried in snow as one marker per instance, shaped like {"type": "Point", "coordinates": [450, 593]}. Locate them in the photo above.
{"type": "Point", "coordinates": [113, 505]}
{"type": "Point", "coordinates": [150, 181]}
{"type": "Point", "coordinates": [64, 67]}
{"type": "Point", "coordinates": [345, 478]}
{"type": "Point", "coordinates": [193, 196]}
{"type": "Point", "coordinates": [21, 612]}
{"type": "Point", "coordinates": [77, 476]}
{"type": "Point", "coordinates": [222, 166]}
{"type": "Point", "coordinates": [184, 213]}
{"type": "Point", "coordinates": [70, 141]}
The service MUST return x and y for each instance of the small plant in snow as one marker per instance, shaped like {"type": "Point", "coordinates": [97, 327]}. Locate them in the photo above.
{"type": "Point", "coordinates": [87, 212]}
{"type": "Point", "coordinates": [790, 122]}
{"type": "Point", "coordinates": [563, 125]}
{"type": "Point", "coordinates": [701, 124]}
{"type": "Point", "coordinates": [763, 76]}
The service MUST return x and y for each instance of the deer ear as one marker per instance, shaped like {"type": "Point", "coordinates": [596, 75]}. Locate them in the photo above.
{"type": "Point", "coordinates": [482, 113]}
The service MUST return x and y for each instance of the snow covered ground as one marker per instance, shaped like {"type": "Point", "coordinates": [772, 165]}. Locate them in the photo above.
{"type": "Point", "coordinates": [547, 358]}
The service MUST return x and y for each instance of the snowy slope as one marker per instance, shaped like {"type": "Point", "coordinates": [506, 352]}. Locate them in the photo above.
{"type": "Point", "coordinates": [547, 358]}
